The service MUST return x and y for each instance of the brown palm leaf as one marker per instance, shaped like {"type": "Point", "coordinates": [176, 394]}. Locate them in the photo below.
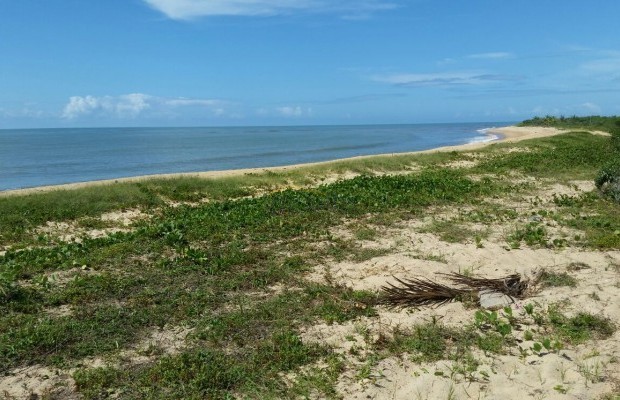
{"type": "Point", "coordinates": [418, 292]}
{"type": "Point", "coordinates": [510, 285]}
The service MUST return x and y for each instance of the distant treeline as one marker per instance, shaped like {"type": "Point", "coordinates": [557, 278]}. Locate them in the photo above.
{"type": "Point", "coordinates": [594, 122]}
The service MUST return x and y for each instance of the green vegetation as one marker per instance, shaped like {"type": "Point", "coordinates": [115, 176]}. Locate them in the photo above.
{"type": "Point", "coordinates": [570, 156]}
{"type": "Point", "coordinates": [581, 327]}
{"type": "Point", "coordinates": [533, 234]}
{"type": "Point", "coordinates": [594, 122]}
{"type": "Point", "coordinates": [455, 232]}
{"type": "Point", "coordinates": [552, 279]}
{"type": "Point", "coordinates": [608, 177]}
{"type": "Point", "coordinates": [226, 260]}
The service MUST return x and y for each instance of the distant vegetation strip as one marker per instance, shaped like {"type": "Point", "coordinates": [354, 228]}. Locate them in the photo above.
{"type": "Point", "coordinates": [608, 177]}
{"type": "Point", "coordinates": [609, 124]}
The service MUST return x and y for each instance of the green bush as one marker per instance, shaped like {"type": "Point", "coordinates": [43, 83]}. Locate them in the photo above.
{"type": "Point", "coordinates": [608, 179]}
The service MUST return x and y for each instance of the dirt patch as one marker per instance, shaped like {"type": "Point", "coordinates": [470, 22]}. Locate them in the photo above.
{"type": "Point", "coordinates": [546, 194]}
{"type": "Point", "coordinates": [64, 310]}
{"type": "Point", "coordinates": [168, 340]}
{"type": "Point", "coordinates": [72, 231]}
{"type": "Point", "coordinates": [37, 381]}
{"type": "Point", "coordinates": [461, 164]}
{"type": "Point", "coordinates": [62, 278]}
{"type": "Point", "coordinates": [517, 150]}
{"type": "Point", "coordinates": [124, 217]}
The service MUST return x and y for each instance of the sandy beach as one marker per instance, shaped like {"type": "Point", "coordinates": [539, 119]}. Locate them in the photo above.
{"type": "Point", "coordinates": [506, 134]}
{"type": "Point", "coordinates": [443, 239]}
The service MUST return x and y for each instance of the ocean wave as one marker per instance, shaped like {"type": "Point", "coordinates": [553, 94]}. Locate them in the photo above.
{"type": "Point", "coordinates": [485, 130]}
{"type": "Point", "coordinates": [488, 137]}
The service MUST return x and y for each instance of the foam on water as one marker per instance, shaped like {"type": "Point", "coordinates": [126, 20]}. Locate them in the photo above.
{"type": "Point", "coordinates": [488, 137]}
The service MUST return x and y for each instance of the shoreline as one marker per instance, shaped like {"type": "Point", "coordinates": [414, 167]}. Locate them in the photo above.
{"type": "Point", "coordinates": [507, 134]}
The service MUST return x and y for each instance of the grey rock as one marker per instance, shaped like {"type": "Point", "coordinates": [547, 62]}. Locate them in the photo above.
{"type": "Point", "coordinates": [492, 300]}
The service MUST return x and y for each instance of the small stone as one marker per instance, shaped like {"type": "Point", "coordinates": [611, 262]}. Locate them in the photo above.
{"type": "Point", "coordinates": [492, 300]}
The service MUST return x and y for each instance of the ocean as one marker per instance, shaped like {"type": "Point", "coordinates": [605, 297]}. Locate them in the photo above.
{"type": "Point", "coordinates": [37, 157]}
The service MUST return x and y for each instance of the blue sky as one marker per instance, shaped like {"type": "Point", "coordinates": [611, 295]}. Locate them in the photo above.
{"type": "Point", "coordinates": [77, 63]}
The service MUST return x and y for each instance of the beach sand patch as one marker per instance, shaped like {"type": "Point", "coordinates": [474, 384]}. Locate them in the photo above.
{"type": "Point", "coordinates": [124, 217]}
{"type": "Point", "coordinates": [38, 381]}
{"type": "Point", "coordinates": [105, 225]}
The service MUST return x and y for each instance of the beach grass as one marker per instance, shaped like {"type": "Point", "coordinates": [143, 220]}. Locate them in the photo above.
{"type": "Point", "coordinates": [220, 266]}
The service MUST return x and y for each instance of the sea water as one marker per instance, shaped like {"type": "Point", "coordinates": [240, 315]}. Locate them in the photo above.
{"type": "Point", "coordinates": [36, 157]}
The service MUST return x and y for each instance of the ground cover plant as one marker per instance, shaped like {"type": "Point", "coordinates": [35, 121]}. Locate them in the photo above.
{"type": "Point", "coordinates": [221, 269]}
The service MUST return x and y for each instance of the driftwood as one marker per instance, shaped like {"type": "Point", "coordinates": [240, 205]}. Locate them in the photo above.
{"type": "Point", "coordinates": [417, 292]}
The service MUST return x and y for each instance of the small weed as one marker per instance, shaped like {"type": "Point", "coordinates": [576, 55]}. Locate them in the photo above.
{"type": "Point", "coordinates": [366, 233]}
{"type": "Point", "coordinates": [425, 342]}
{"type": "Point", "coordinates": [577, 266]}
{"type": "Point", "coordinates": [581, 327]}
{"type": "Point", "coordinates": [552, 279]}
{"type": "Point", "coordinates": [432, 257]}
{"type": "Point", "coordinates": [546, 345]}
{"type": "Point", "coordinates": [364, 254]}
{"type": "Point", "coordinates": [366, 371]}
{"type": "Point", "coordinates": [453, 232]}
{"type": "Point", "coordinates": [593, 372]}
{"type": "Point", "coordinates": [533, 234]}
{"type": "Point", "coordinates": [478, 240]}
{"type": "Point", "coordinates": [560, 389]}
{"type": "Point", "coordinates": [486, 320]}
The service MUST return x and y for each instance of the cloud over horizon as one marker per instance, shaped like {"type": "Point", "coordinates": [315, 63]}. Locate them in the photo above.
{"type": "Point", "coordinates": [491, 56]}
{"type": "Point", "coordinates": [191, 9]}
{"type": "Point", "coordinates": [286, 111]}
{"type": "Point", "coordinates": [443, 79]}
{"type": "Point", "coordinates": [133, 105]}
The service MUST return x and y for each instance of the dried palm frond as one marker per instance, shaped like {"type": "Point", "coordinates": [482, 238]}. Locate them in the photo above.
{"type": "Point", "coordinates": [420, 292]}
{"type": "Point", "coordinates": [511, 285]}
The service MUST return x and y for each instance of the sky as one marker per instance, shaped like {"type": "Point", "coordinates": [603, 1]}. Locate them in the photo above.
{"type": "Point", "coordinates": [85, 63]}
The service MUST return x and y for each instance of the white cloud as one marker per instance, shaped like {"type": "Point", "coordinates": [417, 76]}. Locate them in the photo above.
{"type": "Point", "coordinates": [189, 9]}
{"type": "Point", "coordinates": [607, 65]}
{"type": "Point", "coordinates": [24, 112]}
{"type": "Point", "coordinates": [293, 111]}
{"type": "Point", "coordinates": [591, 108]}
{"type": "Point", "coordinates": [587, 108]}
{"type": "Point", "coordinates": [80, 106]}
{"type": "Point", "coordinates": [133, 105]}
{"type": "Point", "coordinates": [443, 79]}
{"type": "Point", "coordinates": [284, 111]}
{"type": "Point", "coordinates": [491, 56]}
{"type": "Point", "coordinates": [127, 105]}
{"type": "Point", "coordinates": [183, 102]}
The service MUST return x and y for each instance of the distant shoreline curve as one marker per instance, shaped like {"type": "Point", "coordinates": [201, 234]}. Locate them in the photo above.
{"type": "Point", "coordinates": [505, 134]}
